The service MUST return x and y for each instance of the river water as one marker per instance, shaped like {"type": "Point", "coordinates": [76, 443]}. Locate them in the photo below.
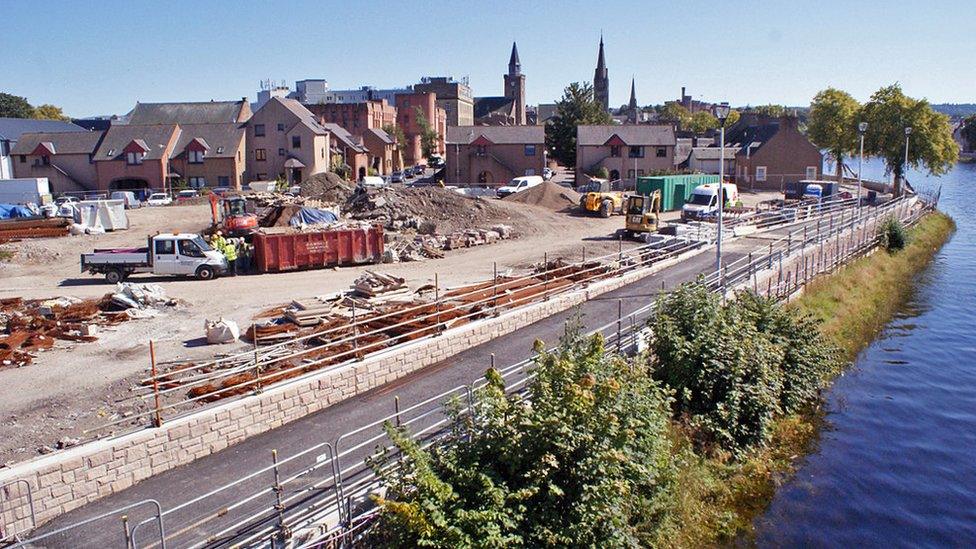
{"type": "Point", "coordinates": [896, 463]}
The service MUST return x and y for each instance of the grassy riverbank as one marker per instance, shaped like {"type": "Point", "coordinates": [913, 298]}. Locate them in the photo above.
{"type": "Point", "coordinates": [719, 498]}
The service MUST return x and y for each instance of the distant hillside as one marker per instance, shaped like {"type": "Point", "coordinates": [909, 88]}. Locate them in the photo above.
{"type": "Point", "coordinates": [955, 110]}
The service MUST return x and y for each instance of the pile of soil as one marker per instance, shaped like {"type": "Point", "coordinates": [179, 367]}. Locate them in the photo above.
{"type": "Point", "coordinates": [548, 195]}
{"type": "Point", "coordinates": [327, 187]}
{"type": "Point", "coordinates": [427, 209]}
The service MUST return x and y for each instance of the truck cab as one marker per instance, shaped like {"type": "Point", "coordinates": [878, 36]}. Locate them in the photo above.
{"type": "Point", "coordinates": [183, 254]}
{"type": "Point", "coordinates": [642, 213]}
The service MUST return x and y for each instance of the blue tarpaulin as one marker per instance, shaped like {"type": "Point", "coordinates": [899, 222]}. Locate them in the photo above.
{"type": "Point", "coordinates": [12, 211]}
{"type": "Point", "coordinates": [312, 216]}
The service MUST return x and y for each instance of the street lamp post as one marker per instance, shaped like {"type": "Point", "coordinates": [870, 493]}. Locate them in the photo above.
{"type": "Point", "coordinates": [722, 114]}
{"type": "Point", "coordinates": [908, 132]}
{"type": "Point", "coordinates": [861, 128]}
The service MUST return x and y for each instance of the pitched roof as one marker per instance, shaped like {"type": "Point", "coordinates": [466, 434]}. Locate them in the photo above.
{"type": "Point", "coordinates": [713, 153]}
{"type": "Point", "coordinates": [483, 106]}
{"type": "Point", "coordinates": [382, 135]}
{"type": "Point", "coordinates": [499, 135]}
{"type": "Point", "coordinates": [222, 140]}
{"type": "Point", "coordinates": [751, 137]}
{"type": "Point", "coordinates": [119, 136]}
{"type": "Point", "coordinates": [304, 115]}
{"type": "Point", "coordinates": [12, 128]}
{"type": "Point", "coordinates": [345, 137]}
{"type": "Point", "coordinates": [71, 142]}
{"type": "Point", "coordinates": [209, 112]}
{"type": "Point", "coordinates": [632, 134]}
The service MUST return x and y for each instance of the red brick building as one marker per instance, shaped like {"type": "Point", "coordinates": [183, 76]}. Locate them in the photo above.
{"type": "Point", "coordinates": [412, 109]}
{"type": "Point", "coordinates": [772, 152]}
{"type": "Point", "coordinates": [356, 118]}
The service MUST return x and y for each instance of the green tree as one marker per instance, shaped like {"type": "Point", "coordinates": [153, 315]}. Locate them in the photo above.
{"type": "Point", "coordinates": [702, 121]}
{"type": "Point", "coordinates": [396, 132]}
{"type": "Point", "coordinates": [12, 106]}
{"type": "Point", "coordinates": [583, 461]}
{"type": "Point", "coordinates": [674, 113]}
{"type": "Point", "coordinates": [930, 145]}
{"type": "Point", "coordinates": [832, 124]}
{"type": "Point", "coordinates": [969, 131]}
{"type": "Point", "coordinates": [49, 112]}
{"type": "Point", "coordinates": [733, 118]}
{"type": "Point", "coordinates": [428, 135]}
{"type": "Point", "coordinates": [576, 108]}
{"type": "Point", "coordinates": [774, 111]}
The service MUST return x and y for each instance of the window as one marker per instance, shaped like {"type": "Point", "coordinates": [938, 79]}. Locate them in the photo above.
{"type": "Point", "coordinates": [23, 158]}
{"type": "Point", "coordinates": [260, 155]}
{"type": "Point", "coordinates": [281, 152]}
{"type": "Point", "coordinates": [481, 150]}
{"type": "Point", "coordinates": [296, 141]}
{"type": "Point", "coordinates": [615, 151]}
{"type": "Point", "coordinates": [134, 158]}
{"type": "Point", "coordinates": [189, 249]}
{"type": "Point", "coordinates": [195, 157]}
{"type": "Point", "coordinates": [164, 247]}
{"type": "Point", "coordinates": [662, 152]}
{"type": "Point", "coordinates": [760, 173]}
{"type": "Point", "coordinates": [46, 160]}
{"type": "Point", "coordinates": [636, 152]}
{"type": "Point", "coordinates": [198, 182]}
{"type": "Point", "coordinates": [323, 152]}
{"type": "Point", "coordinates": [223, 181]}
{"type": "Point", "coordinates": [220, 150]}
{"type": "Point", "coordinates": [530, 151]}
{"type": "Point", "coordinates": [281, 127]}
{"type": "Point", "coordinates": [811, 172]}
{"type": "Point", "coordinates": [262, 177]}
{"type": "Point", "coordinates": [640, 173]}
{"type": "Point", "coordinates": [630, 174]}
{"type": "Point", "coordinates": [259, 130]}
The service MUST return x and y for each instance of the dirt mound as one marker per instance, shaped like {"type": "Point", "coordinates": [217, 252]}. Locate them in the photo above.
{"type": "Point", "coordinates": [427, 209]}
{"type": "Point", "coordinates": [548, 195]}
{"type": "Point", "coordinates": [327, 187]}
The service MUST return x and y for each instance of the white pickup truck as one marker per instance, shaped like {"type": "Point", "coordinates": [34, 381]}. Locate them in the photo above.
{"type": "Point", "coordinates": [166, 254]}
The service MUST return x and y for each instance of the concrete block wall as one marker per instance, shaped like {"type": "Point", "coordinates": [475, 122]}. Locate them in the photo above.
{"type": "Point", "coordinates": [67, 480]}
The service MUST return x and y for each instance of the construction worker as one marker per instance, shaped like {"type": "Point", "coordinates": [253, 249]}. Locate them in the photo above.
{"type": "Point", "coordinates": [230, 254]}
{"type": "Point", "coordinates": [217, 241]}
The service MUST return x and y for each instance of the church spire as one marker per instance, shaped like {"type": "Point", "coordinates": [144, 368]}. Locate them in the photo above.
{"type": "Point", "coordinates": [633, 95]}
{"type": "Point", "coordinates": [514, 66]}
{"type": "Point", "coordinates": [601, 62]}
{"type": "Point", "coordinates": [601, 79]}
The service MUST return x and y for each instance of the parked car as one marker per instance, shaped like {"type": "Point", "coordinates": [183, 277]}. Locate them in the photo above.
{"type": "Point", "coordinates": [372, 181]}
{"type": "Point", "coordinates": [408, 173]}
{"type": "Point", "coordinates": [436, 161]}
{"type": "Point", "coordinates": [547, 173]}
{"type": "Point", "coordinates": [159, 199]}
{"type": "Point", "coordinates": [519, 184]}
{"type": "Point", "coordinates": [397, 177]}
{"type": "Point", "coordinates": [128, 197]}
{"type": "Point", "coordinates": [186, 195]}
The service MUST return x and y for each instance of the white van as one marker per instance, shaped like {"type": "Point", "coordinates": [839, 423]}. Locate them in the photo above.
{"type": "Point", "coordinates": [704, 204]}
{"type": "Point", "coordinates": [519, 184]}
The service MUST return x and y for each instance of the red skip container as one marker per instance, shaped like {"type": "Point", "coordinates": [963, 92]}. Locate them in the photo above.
{"type": "Point", "coordinates": [314, 250]}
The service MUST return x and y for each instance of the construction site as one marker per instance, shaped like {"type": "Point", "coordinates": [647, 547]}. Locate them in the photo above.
{"type": "Point", "coordinates": [438, 243]}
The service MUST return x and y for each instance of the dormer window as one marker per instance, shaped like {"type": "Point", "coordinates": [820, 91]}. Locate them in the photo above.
{"type": "Point", "coordinates": [195, 157]}
{"type": "Point", "coordinates": [134, 158]}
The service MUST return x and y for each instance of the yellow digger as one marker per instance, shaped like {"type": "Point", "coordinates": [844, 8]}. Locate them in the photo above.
{"type": "Point", "coordinates": [642, 214]}
{"type": "Point", "coordinates": [600, 199]}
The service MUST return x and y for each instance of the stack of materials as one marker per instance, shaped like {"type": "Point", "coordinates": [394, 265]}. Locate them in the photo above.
{"type": "Point", "coordinates": [403, 247]}
{"type": "Point", "coordinates": [38, 227]}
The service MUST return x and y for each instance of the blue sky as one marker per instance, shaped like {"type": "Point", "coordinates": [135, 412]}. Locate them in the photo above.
{"type": "Point", "coordinates": [100, 57]}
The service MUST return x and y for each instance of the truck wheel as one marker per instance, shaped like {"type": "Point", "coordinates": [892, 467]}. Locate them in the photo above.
{"type": "Point", "coordinates": [205, 273]}
{"type": "Point", "coordinates": [606, 208]}
{"type": "Point", "coordinates": [114, 276]}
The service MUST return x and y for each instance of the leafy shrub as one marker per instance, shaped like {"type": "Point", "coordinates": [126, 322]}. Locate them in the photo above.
{"type": "Point", "coordinates": [893, 234]}
{"type": "Point", "coordinates": [734, 368]}
{"type": "Point", "coordinates": [585, 462]}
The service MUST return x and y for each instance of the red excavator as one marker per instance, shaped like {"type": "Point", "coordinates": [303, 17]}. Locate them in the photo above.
{"type": "Point", "coordinates": [230, 215]}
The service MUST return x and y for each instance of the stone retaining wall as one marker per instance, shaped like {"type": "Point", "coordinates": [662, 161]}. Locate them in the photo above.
{"type": "Point", "coordinates": [70, 479]}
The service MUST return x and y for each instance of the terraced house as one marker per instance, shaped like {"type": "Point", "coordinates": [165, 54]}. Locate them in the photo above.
{"type": "Point", "coordinates": [494, 154]}
{"type": "Point", "coordinates": [66, 159]}
{"type": "Point", "coordinates": [626, 151]}
{"type": "Point", "coordinates": [285, 141]}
